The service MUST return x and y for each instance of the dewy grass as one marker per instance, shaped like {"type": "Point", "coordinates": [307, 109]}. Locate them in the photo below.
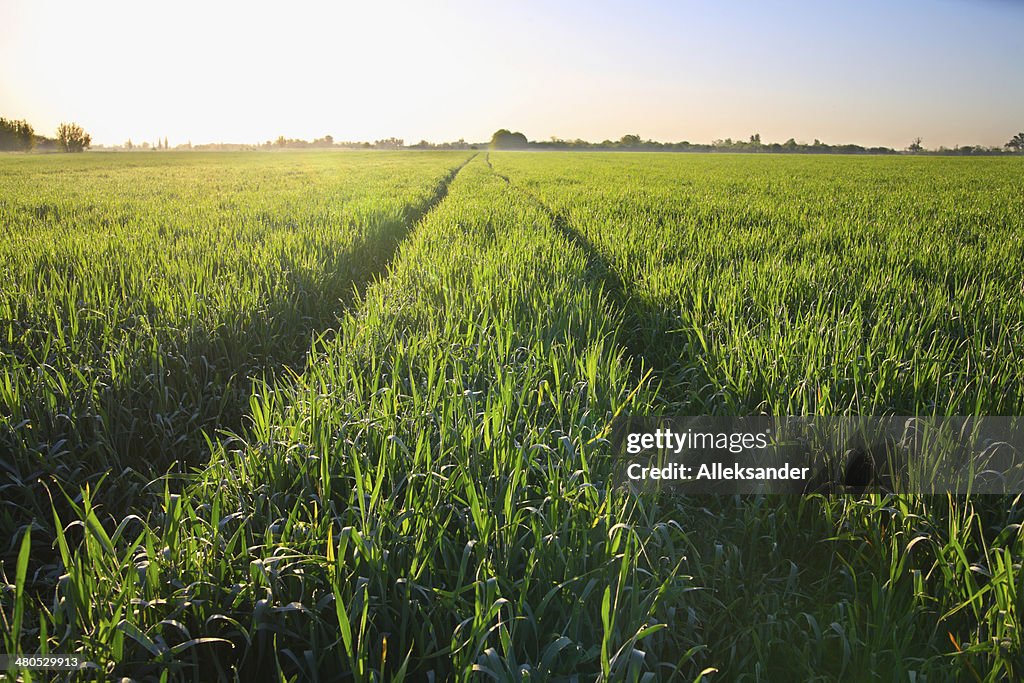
{"type": "Point", "coordinates": [791, 285]}
{"type": "Point", "coordinates": [426, 492]}
{"type": "Point", "coordinates": [141, 298]}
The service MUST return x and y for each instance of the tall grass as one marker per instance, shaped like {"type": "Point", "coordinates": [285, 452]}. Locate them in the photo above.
{"type": "Point", "coordinates": [143, 295]}
{"type": "Point", "coordinates": [826, 286]}
{"type": "Point", "coordinates": [426, 495]}
{"type": "Point", "coordinates": [796, 285]}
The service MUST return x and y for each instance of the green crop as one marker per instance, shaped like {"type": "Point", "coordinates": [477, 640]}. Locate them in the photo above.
{"type": "Point", "coordinates": [366, 399]}
{"type": "Point", "coordinates": [146, 295]}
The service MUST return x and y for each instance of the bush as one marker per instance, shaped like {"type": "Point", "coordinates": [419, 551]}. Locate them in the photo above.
{"type": "Point", "coordinates": [72, 137]}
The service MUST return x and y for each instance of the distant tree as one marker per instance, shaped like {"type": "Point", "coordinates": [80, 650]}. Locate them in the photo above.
{"type": "Point", "coordinates": [129, 145]}
{"type": "Point", "coordinates": [1016, 143]}
{"type": "Point", "coordinates": [755, 139]}
{"type": "Point", "coordinates": [630, 140]}
{"type": "Point", "coordinates": [72, 137]}
{"type": "Point", "coordinates": [506, 139]}
{"type": "Point", "coordinates": [915, 146]}
{"type": "Point", "coordinates": [16, 135]}
{"type": "Point", "coordinates": [165, 142]}
{"type": "Point", "coordinates": [26, 135]}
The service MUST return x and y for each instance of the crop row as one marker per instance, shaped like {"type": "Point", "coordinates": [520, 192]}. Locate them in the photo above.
{"type": "Point", "coordinates": [143, 296]}
{"type": "Point", "coordinates": [808, 285]}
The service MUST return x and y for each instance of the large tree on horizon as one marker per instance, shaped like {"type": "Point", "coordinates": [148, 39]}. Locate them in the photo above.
{"type": "Point", "coordinates": [72, 137]}
{"type": "Point", "coordinates": [1016, 143]}
{"type": "Point", "coordinates": [506, 139]}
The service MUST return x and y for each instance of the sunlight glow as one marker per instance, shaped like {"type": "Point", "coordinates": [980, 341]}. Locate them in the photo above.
{"type": "Point", "coordinates": [250, 71]}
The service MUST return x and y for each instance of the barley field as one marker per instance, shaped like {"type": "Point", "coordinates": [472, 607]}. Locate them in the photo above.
{"type": "Point", "coordinates": [344, 416]}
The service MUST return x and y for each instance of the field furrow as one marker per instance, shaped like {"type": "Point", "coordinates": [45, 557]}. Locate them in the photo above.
{"type": "Point", "coordinates": [795, 286]}
{"type": "Point", "coordinates": [643, 325]}
{"type": "Point", "coordinates": [147, 304]}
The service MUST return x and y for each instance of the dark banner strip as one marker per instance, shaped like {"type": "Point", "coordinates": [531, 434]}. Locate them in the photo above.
{"type": "Point", "coordinates": [801, 455]}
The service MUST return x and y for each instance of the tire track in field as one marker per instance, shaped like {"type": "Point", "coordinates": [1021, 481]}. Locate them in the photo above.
{"type": "Point", "coordinates": [642, 332]}
{"type": "Point", "coordinates": [414, 215]}
{"type": "Point", "coordinates": [163, 445]}
{"type": "Point", "coordinates": [378, 266]}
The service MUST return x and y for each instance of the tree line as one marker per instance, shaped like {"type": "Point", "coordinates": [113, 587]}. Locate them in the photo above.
{"type": "Point", "coordinates": [328, 141]}
{"type": "Point", "coordinates": [20, 136]}
{"type": "Point", "coordinates": [505, 139]}
{"type": "Point", "coordinates": [282, 142]}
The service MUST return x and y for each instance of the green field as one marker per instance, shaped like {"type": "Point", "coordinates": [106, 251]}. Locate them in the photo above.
{"type": "Point", "coordinates": [343, 416]}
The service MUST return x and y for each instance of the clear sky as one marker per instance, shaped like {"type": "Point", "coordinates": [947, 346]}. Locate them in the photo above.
{"type": "Point", "coordinates": [866, 71]}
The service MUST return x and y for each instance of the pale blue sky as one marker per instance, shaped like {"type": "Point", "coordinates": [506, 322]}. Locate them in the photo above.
{"type": "Point", "coordinates": [950, 71]}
